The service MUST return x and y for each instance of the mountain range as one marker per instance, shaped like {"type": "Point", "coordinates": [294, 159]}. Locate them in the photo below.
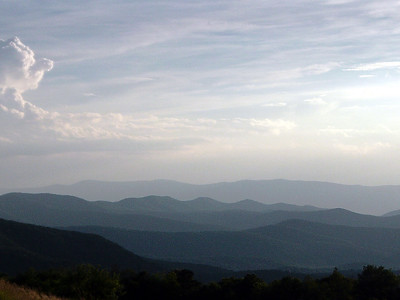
{"type": "Point", "coordinates": [155, 213]}
{"type": "Point", "coordinates": [242, 235]}
{"type": "Point", "coordinates": [362, 199]}
{"type": "Point", "coordinates": [151, 213]}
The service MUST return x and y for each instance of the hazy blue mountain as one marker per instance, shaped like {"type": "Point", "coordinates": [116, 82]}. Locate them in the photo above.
{"type": "Point", "coordinates": [55, 210]}
{"type": "Point", "coordinates": [392, 213]}
{"type": "Point", "coordinates": [155, 213]}
{"type": "Point", "coordinates": [337, 216]}
{"type": "Point", "coordinates": [293, 243]}
{"type": "Point", "coordinates": [289, 207]}
{"type": "Point", "coordinates": [167, 204]}
{"type": "Point", "coordinates": [362, 199]}
{"type": "Point", "coordinates": [152, 213]}
{"type": "Point", "coordinates": [240, 220]}
{"type": "Point", "coordinates": [163, 204]}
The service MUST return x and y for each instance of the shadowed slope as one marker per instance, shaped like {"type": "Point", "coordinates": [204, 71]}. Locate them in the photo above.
{"type": "Point", "coordinates": [293, 243]}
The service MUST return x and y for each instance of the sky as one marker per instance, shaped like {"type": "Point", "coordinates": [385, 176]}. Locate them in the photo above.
{"type": "Point", "coordinates": [199, 91]}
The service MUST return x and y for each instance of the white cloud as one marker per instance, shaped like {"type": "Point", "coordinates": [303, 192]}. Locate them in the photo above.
{"type": "Point", "coordinates": [316, 101]}
{"type": "Point", "coordinates": [89, 94]}
{"type": "Point", "coordinates": [338, 2]}
{"type": "Point", "coordinates": [376, 66]}
{"type": "Point", "coordinates": [276, 127]}
{"type": "Point", "coordinates": [275, 104]}
{"type": "Point", "coordinates": [318, 69]}
{"type": "Point", "coordinates": [12, 103]}
{"type": "Point", "coordinates": [354, 149]}
{"type": "Point", "coordinates": [19, 70]}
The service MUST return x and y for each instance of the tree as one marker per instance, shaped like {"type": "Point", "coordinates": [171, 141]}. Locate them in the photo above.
{"type": "Point", "coordinates": [377, 283]}
{"type": "Point", "coordinates": [336, 286]}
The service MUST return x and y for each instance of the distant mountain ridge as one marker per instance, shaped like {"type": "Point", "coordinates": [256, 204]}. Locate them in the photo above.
{"type": "Point", "coordinates": [362, 199]}
{"type": "Point", "coordinates": [155, 213]}
{"type": "Point", "coordinates": [56, 210]}
{"type": "Point", "coordinates": [151, 213]}
{"type": "Point", "coordinates": [392, 213]}
{"type": "Point", "coordinates": [155, 203]}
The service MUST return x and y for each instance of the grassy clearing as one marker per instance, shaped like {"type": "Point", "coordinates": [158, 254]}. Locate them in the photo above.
{"type": "Point", "coordinates": [9, 291]}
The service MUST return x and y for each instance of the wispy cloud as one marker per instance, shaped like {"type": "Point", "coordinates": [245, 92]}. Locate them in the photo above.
{"type": "Point", "coordinates": [276, 104]}
{"type": "Point", "coordinates": [316, 101]}
{"type": "Point", "coordinates": [376, 66]}
{"type": "Point", "coordinates": [355, 149]}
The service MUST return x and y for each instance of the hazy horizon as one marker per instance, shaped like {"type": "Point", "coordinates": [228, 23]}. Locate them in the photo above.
{"type": "Point", "coordinates": [326, 195]}
{"type": "Point", "coordinates": [199, 92]}
{"type": "Point", "coordinates": [191, 183]}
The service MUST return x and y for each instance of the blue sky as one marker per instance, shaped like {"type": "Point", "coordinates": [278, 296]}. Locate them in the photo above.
{"type": "Point", "coordinates": [199, 91]}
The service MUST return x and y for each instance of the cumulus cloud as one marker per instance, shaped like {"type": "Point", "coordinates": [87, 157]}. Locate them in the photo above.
{"type": "Point", "coordinates": [13, 104]}
{"type": "Point", "coordinates": [19, 70]}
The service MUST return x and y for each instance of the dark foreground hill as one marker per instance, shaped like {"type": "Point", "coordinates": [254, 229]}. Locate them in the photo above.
{"type": "Point", "coordinates": [24, 246]}
{"type": "Point", "coordinates": [294, 243]}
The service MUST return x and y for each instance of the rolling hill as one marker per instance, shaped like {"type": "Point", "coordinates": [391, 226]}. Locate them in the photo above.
{"type": "Point", "coordinates": [24, 246]}
{"type": "Point", "coordinates": [163, 204]}
{"type": "Point", "coordinates": [294, 243]}
{"type": "Point", "coordinates": [55, 211]}
{"type": "Point", "coordinates": [236, 219]}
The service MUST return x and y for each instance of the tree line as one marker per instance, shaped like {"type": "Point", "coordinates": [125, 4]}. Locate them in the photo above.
{"type": "Point", "coordinates": [92, 283]}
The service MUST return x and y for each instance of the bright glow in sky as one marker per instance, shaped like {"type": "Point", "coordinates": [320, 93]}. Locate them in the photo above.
{"type": "Point", "coordinates": [199, 91]}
